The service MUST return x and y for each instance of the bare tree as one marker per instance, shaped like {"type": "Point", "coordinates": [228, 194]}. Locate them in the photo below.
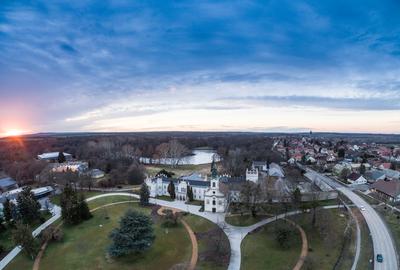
{"type": "Point", "coordinates": [177, 152]}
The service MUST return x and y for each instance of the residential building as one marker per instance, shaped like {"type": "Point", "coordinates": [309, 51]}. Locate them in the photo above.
{"type": "Point", "coordinates": [96, 174]}
{"type": "Point", "coordinates": [356, 179]}
{"type": "Point", "coordinates": [387, 190]}
{"type": "Point", "coordinates": [7, 183]}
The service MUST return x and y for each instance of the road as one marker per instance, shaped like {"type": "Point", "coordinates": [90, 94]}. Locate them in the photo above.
{"type": "Point", "coordinates": [381, 238]}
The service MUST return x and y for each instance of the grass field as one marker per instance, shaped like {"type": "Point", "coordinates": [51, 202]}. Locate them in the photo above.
{"type": "Point", "coordinates": [205, 231]}
{"type": "Point", "coordinates": [325, 239]}
{"type": "Point", "coordinates": [367, 251]}
{"type": "Point", "coordinates": [260, 250]}
{"type": "Point", "coordinates": [55, 199]}
{"type": "Point", "coordinates": [84, 246]}
{"type": "Point", "coordinates": [244, 220]}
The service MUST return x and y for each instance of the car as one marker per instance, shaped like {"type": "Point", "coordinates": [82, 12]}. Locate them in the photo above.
{"type": "Point", "coordinates": [379, 258]}
{"type": "Point", "coordinates": [362, 208]}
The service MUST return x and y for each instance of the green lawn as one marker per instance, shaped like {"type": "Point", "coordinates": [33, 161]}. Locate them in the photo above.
{"type": "Point", "coordinates": [260, 250]}
{"type": "Point", "coordinates": [244, 220]}
{"type": "Point", "coordinates": [367, 250]}
{"type": "Point", "coordinates": [56, 198]}
{"type": "Point", "coordinates": [109, 199]}
{"type": "Point", "coordinates": [84, 246]}
{"type": "Point", "coordinates": [325, 239]}
{"type": "Point", "coordinates": [165, 198]}
{"type": "Point", "coordinates": [208, 234]}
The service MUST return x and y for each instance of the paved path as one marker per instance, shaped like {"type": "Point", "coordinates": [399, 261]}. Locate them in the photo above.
{"type": "Point", "coordinates": [381, 237]}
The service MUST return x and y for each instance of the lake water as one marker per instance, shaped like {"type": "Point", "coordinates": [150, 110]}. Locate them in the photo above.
{"type": "Point", "coordinates": [199, 156]}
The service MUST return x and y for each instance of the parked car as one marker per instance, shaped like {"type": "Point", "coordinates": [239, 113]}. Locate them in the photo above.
{"type": "Point", "coordinates": [362, 208]}
{"type": "Point", "coordinates": [379, 258]}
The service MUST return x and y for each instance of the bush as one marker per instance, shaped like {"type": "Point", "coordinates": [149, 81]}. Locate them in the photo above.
{"type": "Point", "coordinates": [170, 219]}
{"type": "Point", "coordinates": [284, 235]}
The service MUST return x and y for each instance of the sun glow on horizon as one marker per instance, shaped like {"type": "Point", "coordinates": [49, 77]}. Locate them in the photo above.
{"type": "Point", "coordinates": [12, 133]}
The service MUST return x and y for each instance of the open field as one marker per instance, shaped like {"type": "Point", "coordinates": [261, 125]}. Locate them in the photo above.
{"type": "Point", "coordinates": [56, 198]}
{"type": "Point", "coordinates": [367, 249]}
{"type": "Point", "coordinates": [326, 239]}
{"type": "Point", "coordinates": [244, 220]}
{"type": "Point", "coordinates": [209, 236]}
{"type": "Point", "coordinates": [84, 246]}
{"type": "Point", "coordinates": [260, 250]}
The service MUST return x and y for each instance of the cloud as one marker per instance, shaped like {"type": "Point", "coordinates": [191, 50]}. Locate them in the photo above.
{"type": "Point", "coordinates": [368, 104]}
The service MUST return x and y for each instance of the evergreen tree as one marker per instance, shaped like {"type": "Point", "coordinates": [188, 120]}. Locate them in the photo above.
{"type": "Point", "coordinates": [74, 208]}
{"type": "Point", "coordinates": [135, 234]}
{"type": "Point", "coordinates": [7, 211]}
{"type": "Point", "coordinates": [28, 207]}
{"type": "Point", "coordinates": [189, 194]}
{"type": "Point", "coordinates": [296, 197]}
{"type": "Point", "coordinates": [22, 235]}
{"type": "Point", "coordinates": [171, 190]}
{"type": "Point", "coordinates": [84, 211]}
{"type": "Point", "coordinates": [61, 157]}
{"type": "Point", "coordinates": [362, 169]}
{"type": "Point", "coordinates": [144, 194]}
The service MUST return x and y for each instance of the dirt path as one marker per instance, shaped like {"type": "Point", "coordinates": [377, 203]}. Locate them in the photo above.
{"type": "Point", "coordinates": [38, 258]}
{"type": "Point", "coordinates": [193, 239]}
{"type": "Point", "coordinates": [304, 247]}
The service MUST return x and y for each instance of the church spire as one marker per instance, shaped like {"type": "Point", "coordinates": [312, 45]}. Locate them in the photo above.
{"type": "Point", "coordinates": [214, 171]}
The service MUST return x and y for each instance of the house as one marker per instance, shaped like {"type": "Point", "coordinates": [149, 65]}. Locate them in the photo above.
{"type": "Point", "coordinates": [53, 156]}
{"type": "Point", "coordinates": [356, 179]}
{"type": "Point", "coordinates": [96, 174]}
{"type": "Point", "coordinates": [72, 166]}
{"type": "Point", "coordinates": [7, 183]}
{"type": "Point", "coordinates": [231, 187]}
{"type": "Point", "coordinates": [275, 170]}
{"type": "Point", "coordinates": [392, 174]}
{"type": "Point", "coordinates": [261, 166]}
{"type": "Point", "coordinates": [385, 165]}
{"type": "Point", "coordinates": [214, 199]}
{"type": "Point", "coordinates": [375, 175]}
{"type": "Point", "coordinates": [387, 190]}
{"type": "Point", "coordinates": [252, 175]}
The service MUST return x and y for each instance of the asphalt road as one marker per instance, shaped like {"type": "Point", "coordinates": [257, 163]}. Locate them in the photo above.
{"type": "Point", "coordinates": [381, 238]}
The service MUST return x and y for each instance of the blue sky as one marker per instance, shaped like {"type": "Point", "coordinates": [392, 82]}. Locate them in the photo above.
{"type": "Point", "coordinates": [200, 65]}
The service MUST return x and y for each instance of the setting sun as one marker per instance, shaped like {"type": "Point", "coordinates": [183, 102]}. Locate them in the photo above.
{"type": "Point", "coordinates": [12, 132]}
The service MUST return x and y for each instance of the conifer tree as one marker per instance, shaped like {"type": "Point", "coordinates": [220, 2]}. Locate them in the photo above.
{"type": "Point", "coordinates": [134, 235]}
{"type": "Point", "coordinates": [22, 235]}
{"type": "Point", "coordinates": [7, 211]}
{"type": "Point", "coordinates": [28, 207]}
{"type": "Point", "coordinates": [61, 158]}
{"type": "Point", "coordinates": [144, 194]}
{"type": "Point", "coordinates": [171, 190]}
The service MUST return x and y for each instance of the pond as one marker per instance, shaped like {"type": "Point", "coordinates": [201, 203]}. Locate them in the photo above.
{"type": "Point", "coordinates": [199, 156]}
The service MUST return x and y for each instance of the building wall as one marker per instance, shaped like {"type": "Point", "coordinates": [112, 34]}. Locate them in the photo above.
{"type": "Point", "coordinates": [252, 175]}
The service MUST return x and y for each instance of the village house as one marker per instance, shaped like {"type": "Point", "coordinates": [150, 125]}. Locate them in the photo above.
{"type": "Point", "coordinates": [7, 183]}
{"type": "Point", "coordinates": [356, 179]}
{"type": "Point", "coordinates": [387, 190]}
{"type": "Point", "coordinates": [70, 166]}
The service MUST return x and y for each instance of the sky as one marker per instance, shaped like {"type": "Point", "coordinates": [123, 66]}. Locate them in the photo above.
{"type": "Point", "coordinates": [262, 66]}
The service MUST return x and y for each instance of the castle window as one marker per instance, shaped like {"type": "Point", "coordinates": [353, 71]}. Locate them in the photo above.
{"type": "Point", "coordinates": [213, 184]}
